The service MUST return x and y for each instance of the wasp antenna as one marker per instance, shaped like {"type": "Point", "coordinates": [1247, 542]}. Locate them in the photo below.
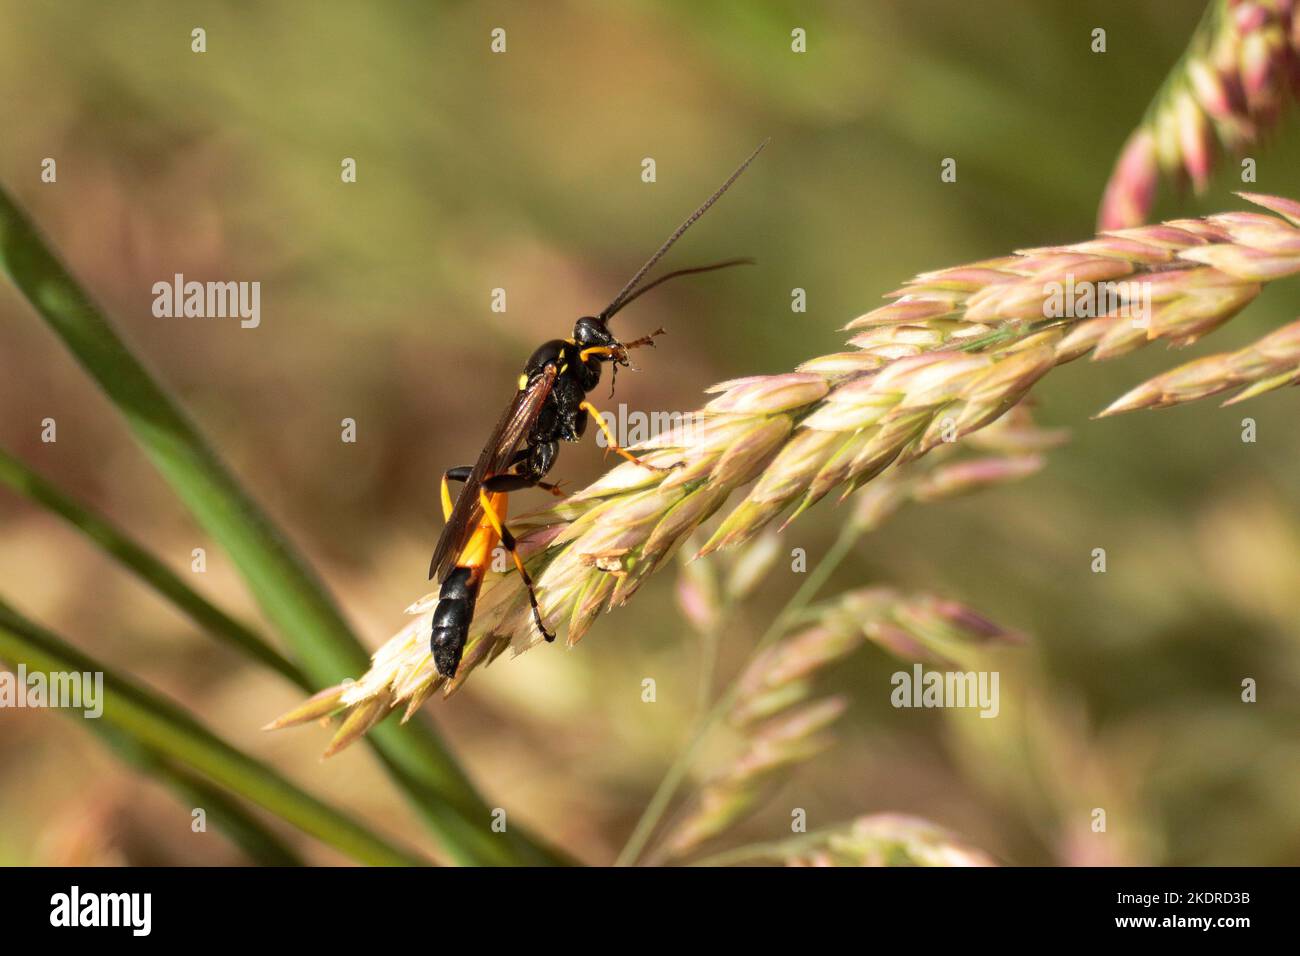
{"type": "Point", "coordinates": [673, 275]}
{"type": "Point", "coordinates": [625, 294]}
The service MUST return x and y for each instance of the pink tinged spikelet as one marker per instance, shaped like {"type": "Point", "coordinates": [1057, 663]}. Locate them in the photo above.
{"type": "Point", "coordinates": [1258, 230]}
{"type": "Point", "coordinates": [1167, 140]}
{"type": "Point", "coordinates": [1117, 339]}
{"type": "Point", "coordinates": [1218, 95]}
{"type": "Point", "coordinates": [1183, 321]}
{"type": "Point", "coordinates": [899, 341]}
{"type": "Point", "coordinates": [791, 737]}
{"type": "Point", "coordinates": [778, 678]}
{"type": "Point", "coordinates": [1243, 262]}
{"type": "Point", "coordinates": [967, 477]}
{"type": "Point", "coordinates": [697, 597]}
{"type": "Point", "coordinates": [1161, 242]}
{"type": "Point", "coordinates": [929, 629]}
{"type": "Point", "coordinates": [1272, 362]}
{"type": "Point", "coordinates": [1248, 15]}
{"type": "Point", "coordinates": [841, 365]}
{"type": "Point", "coordinates": [356, 723]}
{"type": "Point", "coordinates": [683, 518]}
{"type": "Point", "coordinates": [1195, 141]}
{"type": "Point", "coordinates": [739, 463]}
{"type": "Point", "coordinates": [787, 476]}
{"type": "Point", "coordinates": [774, 393]}
{"type": "Point", "coordinates": [1047, 267]}
{"type": "Point", "coordinates": [1131, 190]}
{"type": "Point", "coordinates": [1260, 72]}
{"type": "Point", "coordinates": [907, 310]}
{"type": "Point", "coordinates": [934, 477]}
{"type": "Point", "coordinates": [752, 566]}
{"type": "Point", "coordinates": [1289, 208]}
{"type": "Point", "coordinates": [1283, 380]}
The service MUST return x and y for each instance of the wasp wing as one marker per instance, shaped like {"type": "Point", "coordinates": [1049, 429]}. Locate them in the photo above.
{"type": "Point", "coordinates": [510, 430]}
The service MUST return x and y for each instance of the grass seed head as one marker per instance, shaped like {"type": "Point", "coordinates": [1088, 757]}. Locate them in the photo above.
{"type": "Point", "coordinates": [779, 726]}
{"type": "Point", "coordinates": [942, 365]}
{"type": "Point", "coordinates": [1240, 69]}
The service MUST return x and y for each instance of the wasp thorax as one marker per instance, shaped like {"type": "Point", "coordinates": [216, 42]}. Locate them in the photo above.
{"type": "Point", "coordinates": [546, 354]}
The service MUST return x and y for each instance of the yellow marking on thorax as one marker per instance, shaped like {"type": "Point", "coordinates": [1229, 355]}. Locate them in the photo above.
{"type": "Point", "coordinates": [523, 381]}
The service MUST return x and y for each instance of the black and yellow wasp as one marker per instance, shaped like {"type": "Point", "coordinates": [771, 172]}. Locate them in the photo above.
{"type": "Point", "coordinates": [549, 406]}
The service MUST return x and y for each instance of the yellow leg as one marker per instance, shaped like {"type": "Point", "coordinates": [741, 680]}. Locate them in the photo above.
{"type": "Point", "coordinates": [596, 350]}
{"type": "Point", "coordinates": [452, 474]}
{"type": "Point", "coordinates": [446, 499]}
{"type": "Point", "coordinates": [613, 445]}
{"type": "Point", "coordinates": [508, 542]}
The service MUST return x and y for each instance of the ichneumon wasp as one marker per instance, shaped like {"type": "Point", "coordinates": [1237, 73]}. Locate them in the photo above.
{"type": "Point", "coordinates": [549, 406]}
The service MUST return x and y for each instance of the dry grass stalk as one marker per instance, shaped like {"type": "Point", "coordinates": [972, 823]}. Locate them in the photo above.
{"type": "Point", "coordinates": [953, 353]}
{"type": "Point", "coordinates": [777, 723]}
{"type": "Point", "coordinates": [1227, 91]}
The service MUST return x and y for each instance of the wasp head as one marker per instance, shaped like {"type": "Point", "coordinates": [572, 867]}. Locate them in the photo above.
{"type": "Point", "coordinates": [591, 332]}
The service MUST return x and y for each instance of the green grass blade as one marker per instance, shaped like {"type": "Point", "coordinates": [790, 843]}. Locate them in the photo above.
{"type": "Point", "coordinates": [291, 596]}
{"type": "Point", "coordinates": [18, 476]}
{"type": "Point", "coordinates": [168, 730]}
{"type": "Point", "coordinates": [223, 811]}
{"type": "Point", "coordinates": [26, 482]}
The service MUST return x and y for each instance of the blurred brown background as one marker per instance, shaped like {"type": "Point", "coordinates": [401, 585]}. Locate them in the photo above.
{"type": "Point", "coordinates": [522, 171]}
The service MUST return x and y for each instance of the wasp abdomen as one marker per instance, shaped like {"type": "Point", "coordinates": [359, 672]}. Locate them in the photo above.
{"type": "Point", "coordinates": [451, 619]}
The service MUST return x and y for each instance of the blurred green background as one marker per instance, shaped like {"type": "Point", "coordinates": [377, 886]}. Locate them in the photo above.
{"type": "Point", "coordinates": [522, 171]}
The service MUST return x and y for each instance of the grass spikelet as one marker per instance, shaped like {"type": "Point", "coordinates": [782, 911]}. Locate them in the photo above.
{"type": "Point", "coordinates": [317, 707]}
{"type": "Point", "coordinates": [1271, 363]}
